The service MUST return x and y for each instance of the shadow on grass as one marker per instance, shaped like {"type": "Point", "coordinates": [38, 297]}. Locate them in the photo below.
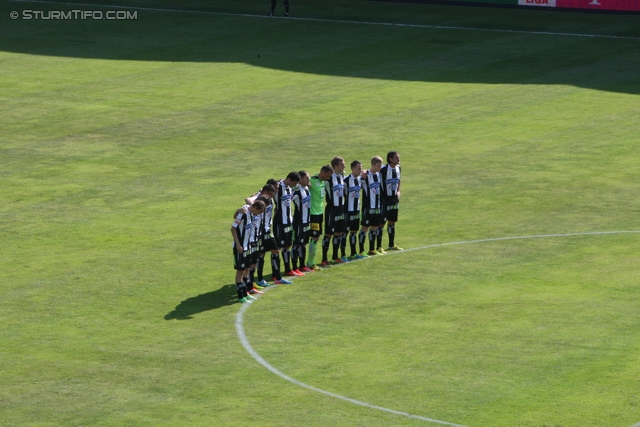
{"type": "Point", "coordinates": [340, 49]}
{"type": "Point", "coordinates": [224, 296]}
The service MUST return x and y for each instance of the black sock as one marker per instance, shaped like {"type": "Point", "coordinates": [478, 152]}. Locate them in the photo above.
{"type": "Point", "coordinates": [325, 247]}
{"type": "Point", "coordinates": [379, 238]}
{"type": "Point", "coordinates": [372, 240]}
{"type": "Point", "coordinates": [391, 229]}
{"type": "Point", "coordinates": [286, 257]}
{"type": "Point", "coordinates": [302, 254]}
{"type": "Point", "coordinates": [362, 237]}
{"type": "Point", "coordinates": [295, 254]}
{"type": "Point", "coordinates": [353, 238]}
{"type": "Point", "coordinates": [260, 267]}
{"type": "Point", "coordinates": [239, 287]}
{"type": "Point", "coordinates": [243, 288]}
{"type": "Point", "coordinates": [275, 266]}
{"type": "Point", "coordinates": [336, 246]}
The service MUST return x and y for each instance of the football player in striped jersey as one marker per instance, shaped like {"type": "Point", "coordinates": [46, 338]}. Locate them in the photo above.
{"type": "Point", "coordinates": [283, 219]}
{"type": "Point", "coordinates": [244, 232]}
{"type": "Point", "coordinates": [335, 213]}
{"type": "Point", "coordinates": [371, 206]}
{"type": "Point", "coordinates": [267, 243]}
{"type": "Point", "coordinates": [301, 224]}
{"type": "Point", "coordinates": [352, 186]}
{"type": "Point", "coordinates": [390, 174]}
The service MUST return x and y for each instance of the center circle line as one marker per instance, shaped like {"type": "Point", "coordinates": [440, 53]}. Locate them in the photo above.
{"type": "Point", "coordinates": [242, 336]}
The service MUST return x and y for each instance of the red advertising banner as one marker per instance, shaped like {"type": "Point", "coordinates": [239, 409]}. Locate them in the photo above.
{"type": "Point", "coordinates": [542, 3]}
{"type": "Point", "coordinates": [629, 5]}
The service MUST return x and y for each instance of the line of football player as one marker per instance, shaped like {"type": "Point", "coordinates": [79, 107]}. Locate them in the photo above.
{"type": "Point", "coordinates": [287, 217]}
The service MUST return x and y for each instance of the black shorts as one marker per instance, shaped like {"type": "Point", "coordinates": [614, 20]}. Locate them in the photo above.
{"type": "Point", "coordinates": [268, 244]}
{"type": "Point", "coordinates": [283, 235]}
{"type": "Point", "coordinates": [253, 257]}
{"type": "Point", "coordinates": [371, 217]}
{"type": "Point", "coordinates": [316, 225]}
{"type": "Point", "coordinates": [334, 222]}
{"type": "Point", "coordinates": [391, 213]}
{"type": "Point", "coordinates": [353, 221]}
{"type": "Point", "coordinates": [241, 261]}
{"type": "Point", "coordinates": [301, 234]}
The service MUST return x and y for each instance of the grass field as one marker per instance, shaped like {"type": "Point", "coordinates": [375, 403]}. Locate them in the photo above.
{"type": "Point", "coordinates": [126, 146]}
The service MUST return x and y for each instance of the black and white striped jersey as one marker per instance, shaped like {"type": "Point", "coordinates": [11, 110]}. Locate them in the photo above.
{"type": "Point", "coordinates": [335, 192]}
{"type": "Point", "coordinates": [390, 180]}
{"type": "Point", "coordinates": [256, 228]}
{"type": "Point", "coordinates": [302, 203]}
{"type": "Point", "coordinates": [245, 228]}
{"type": "Point", "coordinates": [352, 187]}
{"type": "Point", "coordinates": [267, 219]}
{"type": "Point", "coordinates": [372, 191]}
{"type": "Point", "coordinates": [283, 212]}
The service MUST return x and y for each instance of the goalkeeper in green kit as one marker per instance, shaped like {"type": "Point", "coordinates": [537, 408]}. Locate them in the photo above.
{"type": "Point", "coordinates": [317, 190]}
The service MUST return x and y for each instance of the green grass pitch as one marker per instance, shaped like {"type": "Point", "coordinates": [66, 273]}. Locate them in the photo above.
{"type": "Point", "coordinates": [126, 145]}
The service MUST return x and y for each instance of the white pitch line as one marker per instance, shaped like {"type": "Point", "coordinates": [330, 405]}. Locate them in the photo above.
{"type": "Point", "coordinates": [498, 239]}
{"type": "Point", "coordinates": [338, 21]}
{"type": "Point", "coordinates": [245, 342]}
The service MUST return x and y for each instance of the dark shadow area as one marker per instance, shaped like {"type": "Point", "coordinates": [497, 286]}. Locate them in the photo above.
{"type": "Point", "coordinates": [218, 32]}
{"type": "Point", "coordinates": [224, 296]}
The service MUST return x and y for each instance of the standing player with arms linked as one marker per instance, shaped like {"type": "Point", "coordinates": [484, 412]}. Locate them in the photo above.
{"type": "Point", "coordinates": [283, 219]}
{"type": "Point", "coordinates": [301, 224]}
{"type": "Point", "coordinates": [352, 185]}
{"type": "Point", "coordinates": [335, 212]}
{"type": "Point", "coordinates": [267, 243]}
{"type": "Point", "coordinates": [371, 206]}
{"type": "Point", "coordinates": [390, 174]}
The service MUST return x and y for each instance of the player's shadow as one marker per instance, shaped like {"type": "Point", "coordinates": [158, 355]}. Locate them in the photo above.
{"type": "Point", "coordinates": [224, 296]}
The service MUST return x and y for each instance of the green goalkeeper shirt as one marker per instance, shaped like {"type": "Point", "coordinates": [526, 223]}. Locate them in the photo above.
{"type": "Point", "coordinates": [316, 188]}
